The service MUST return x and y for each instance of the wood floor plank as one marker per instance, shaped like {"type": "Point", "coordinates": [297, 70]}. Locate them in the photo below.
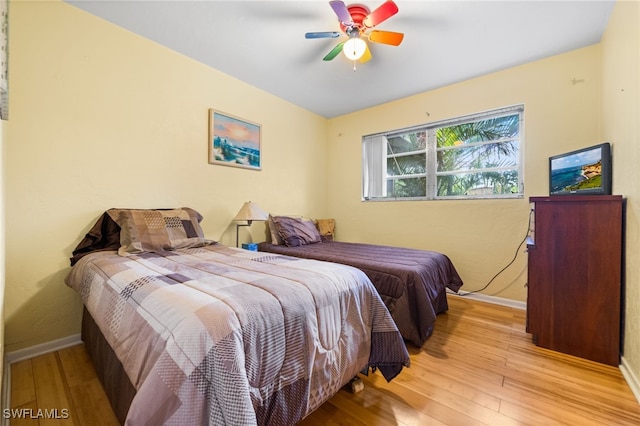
{"type": "Point", "coordinates": [529, 415]}
{"type": "Point", "coordinates": [478, 368]}
{"type": "Point", "coordinates": [91, 406]}
{"type": "Point", "coordinates": [22, 415]}
{"type": "Point", "coordinates": [438, 403]}
{"type": "Point", "coordinates": [367, 407]}
{"type": "Point", "coordinates": [23, 388]}
{"type": "Point", "coordinates": [90, 402]}
{"type": "Point", "coordinates": [76, 365]}
{"type": "Point", "coordinates": [54, 403]}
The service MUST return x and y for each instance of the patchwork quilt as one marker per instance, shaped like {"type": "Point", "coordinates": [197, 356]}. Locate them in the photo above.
{"type": "Point", "coordinates": [218, 335]}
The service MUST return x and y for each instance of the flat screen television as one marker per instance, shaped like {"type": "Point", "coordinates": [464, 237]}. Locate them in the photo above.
{"type": "Point", "coordinates": [584, 171]}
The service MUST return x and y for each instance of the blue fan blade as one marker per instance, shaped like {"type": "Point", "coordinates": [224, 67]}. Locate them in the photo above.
{"type": "Point", "coordinates": [342, 12]}
{"type": "Point", "coordinates": [323, 34]}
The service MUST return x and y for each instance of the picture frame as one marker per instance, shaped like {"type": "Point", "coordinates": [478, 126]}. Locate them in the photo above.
{"type": "Point", "coordinates": [234, 141]}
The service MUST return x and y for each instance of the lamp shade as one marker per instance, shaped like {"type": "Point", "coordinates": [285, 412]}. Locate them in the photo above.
{"type": "Point", "coordinates": [250, 211]}
{"type": "Point", "coordinates": [354, 48]}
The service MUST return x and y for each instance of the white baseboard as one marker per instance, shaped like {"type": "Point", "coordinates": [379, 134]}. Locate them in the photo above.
{"type": "Point", "coordinates": [43, 348]}
{"type": "Point", "coordinates": [491, 299]}
{"type": "Point", "coordinates": [631, 378]}
{"type": "Point", "coordinates": [6, 391]}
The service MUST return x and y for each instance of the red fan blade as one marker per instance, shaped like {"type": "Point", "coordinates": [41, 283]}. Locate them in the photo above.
{"type": "Point", "coordinates": [342, 12]}
{"type": "Point", "coordinates": [386, 37]}
{"type": "Point", "coordinates": [334, 52]}
{"type": "Point", "coordinates": [381, 14]}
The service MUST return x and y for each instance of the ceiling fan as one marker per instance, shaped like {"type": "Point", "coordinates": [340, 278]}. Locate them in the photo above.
{"type": "Point", "coordinates": [356, 22]}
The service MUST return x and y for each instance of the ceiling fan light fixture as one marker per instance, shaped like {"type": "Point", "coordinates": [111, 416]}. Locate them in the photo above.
{"type": "Point", "coordinates": [356, 22]}
{"type": "Point", "coordinates": [354, 48]}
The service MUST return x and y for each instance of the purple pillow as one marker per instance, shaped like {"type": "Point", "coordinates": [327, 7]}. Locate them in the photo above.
{"type": "Point", "coordinates": [296, 232]}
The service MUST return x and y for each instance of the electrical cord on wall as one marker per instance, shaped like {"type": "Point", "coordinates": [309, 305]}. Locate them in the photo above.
{"type": "Point", "coordinates": [510, 263]}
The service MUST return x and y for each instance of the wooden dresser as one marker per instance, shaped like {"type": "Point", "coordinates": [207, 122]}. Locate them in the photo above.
{"type": "Point", "coordinates": [574, 275]}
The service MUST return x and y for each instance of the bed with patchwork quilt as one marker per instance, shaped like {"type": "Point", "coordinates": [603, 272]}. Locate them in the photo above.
{"type": "Point", "coordinates": [209, 334]}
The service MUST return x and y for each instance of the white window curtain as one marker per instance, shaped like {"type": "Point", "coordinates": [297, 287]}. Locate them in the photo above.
{"type": "Point", "coordinates": [374, 163]}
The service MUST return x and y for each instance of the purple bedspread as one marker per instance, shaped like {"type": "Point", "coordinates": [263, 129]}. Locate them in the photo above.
{"type": "Point", "coordinates": [411, 282]}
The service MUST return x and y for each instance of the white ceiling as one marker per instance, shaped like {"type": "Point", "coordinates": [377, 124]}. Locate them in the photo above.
{"type": "Point", "coordinates": [263, 44]}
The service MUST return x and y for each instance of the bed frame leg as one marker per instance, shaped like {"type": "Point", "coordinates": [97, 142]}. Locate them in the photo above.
{"type": "Point", "coordinates": [355, 385]}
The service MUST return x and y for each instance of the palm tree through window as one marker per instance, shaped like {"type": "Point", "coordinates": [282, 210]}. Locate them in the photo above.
{"type": "Point", "coordinates": [477, 156]}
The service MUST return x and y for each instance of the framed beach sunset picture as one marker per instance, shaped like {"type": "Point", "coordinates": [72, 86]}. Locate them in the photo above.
{"type": "Point", "coordinates": [234, 141]}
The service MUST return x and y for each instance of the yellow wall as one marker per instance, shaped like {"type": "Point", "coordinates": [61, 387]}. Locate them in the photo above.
{"type": "Point", "coordinates": [480, 236]}
{"type": "Point", "coordinates": [100, 118]}
{"type": "Point", "coordinates": [621, 125]}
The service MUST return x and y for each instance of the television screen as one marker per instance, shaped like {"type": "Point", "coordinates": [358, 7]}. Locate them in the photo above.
{"type": "Point", "coordinates": [585, 171]}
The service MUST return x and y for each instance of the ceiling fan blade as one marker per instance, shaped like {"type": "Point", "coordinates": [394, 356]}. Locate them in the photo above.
{"type": "Point", "coordinates": [334, 52]}
{"type": "Point", "coordinates": [381, 14]}
{"type": "Point", "coordinates": [323, 34]}
{"type": "Point", "coordinates": [342, 12]}
{"type": "Point", "coordinates": [386, 37]}
{"type": "Point", "coordinates": [366, 57]}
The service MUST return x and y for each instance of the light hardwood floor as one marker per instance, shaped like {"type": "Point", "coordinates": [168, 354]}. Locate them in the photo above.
{"type": "Point", "coordinates": [478, 368]}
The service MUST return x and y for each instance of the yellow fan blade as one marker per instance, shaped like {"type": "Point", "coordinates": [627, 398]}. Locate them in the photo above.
{"type": "Point", "coordinates": [366, 56]}
{"type": "Point", "coordinates": [386, 37]}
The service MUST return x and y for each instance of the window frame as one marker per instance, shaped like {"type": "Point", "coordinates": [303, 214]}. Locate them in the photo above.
{"type": "Point", "coordinates": [431, 173]}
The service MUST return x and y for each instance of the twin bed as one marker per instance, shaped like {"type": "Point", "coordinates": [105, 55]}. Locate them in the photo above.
{"type": "Point", "coordinates": [183, 330]}
{"type": "Point", "coordinates": [412, 283]}
{"type": "Point", "coordinates": [186, 331]}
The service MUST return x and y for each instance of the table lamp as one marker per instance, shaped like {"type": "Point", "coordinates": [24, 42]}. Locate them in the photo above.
{"type": "Point", "coordinates": [249, 212]}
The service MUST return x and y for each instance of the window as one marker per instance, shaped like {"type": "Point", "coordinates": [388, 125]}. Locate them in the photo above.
{"type": "Point", "coordinates": [477, 156]}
